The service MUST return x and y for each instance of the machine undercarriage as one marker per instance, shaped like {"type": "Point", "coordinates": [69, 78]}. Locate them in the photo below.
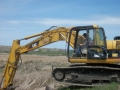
{"type": "Point", "coordinates": [88, 74]}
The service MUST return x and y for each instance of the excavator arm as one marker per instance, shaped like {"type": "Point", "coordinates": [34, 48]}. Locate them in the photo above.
{"type": "Point", "coordinates": [44, 38]}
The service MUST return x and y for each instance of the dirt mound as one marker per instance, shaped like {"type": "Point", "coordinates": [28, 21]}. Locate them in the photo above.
{"type": "Point", "coordinates": [33, 81]}
{"type": "Point", "coordinates": [35, 71]}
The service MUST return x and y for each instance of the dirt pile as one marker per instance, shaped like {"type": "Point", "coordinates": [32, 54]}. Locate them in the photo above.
{"type": "Point", "coordinates": [33, 81]}
{"type": "Point", "coordinates": [35, 71]}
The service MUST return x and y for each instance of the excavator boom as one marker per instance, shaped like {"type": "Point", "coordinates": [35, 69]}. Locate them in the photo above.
{"type": "Point", "coordinates": [44, 38]}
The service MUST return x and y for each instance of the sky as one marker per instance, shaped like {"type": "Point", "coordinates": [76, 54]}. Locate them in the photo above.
{"type": "Point", "coordinates": [21, 18]}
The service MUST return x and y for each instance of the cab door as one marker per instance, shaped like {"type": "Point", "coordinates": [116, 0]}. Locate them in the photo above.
{"type": "Point", "coordinates": [96, 42]}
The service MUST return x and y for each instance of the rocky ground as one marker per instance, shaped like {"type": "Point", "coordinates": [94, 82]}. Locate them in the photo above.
{"type": "Point", "coordinates": [35, 71]}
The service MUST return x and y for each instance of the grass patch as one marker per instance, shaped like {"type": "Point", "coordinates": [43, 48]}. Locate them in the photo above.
{"type": "Point", "coordinates": [39, 51]}
{"type": "Point", "coordinates": [48, 52]}
{"type": "Point", "coordinates": [112, 86]}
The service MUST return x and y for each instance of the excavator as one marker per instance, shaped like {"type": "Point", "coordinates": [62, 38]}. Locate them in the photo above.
{"type": "Point", "coordinates": [97, 62]}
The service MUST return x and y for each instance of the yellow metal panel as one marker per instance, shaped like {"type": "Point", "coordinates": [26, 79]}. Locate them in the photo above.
{"type": "Point", "coordinates": [109, 44]}
{"type": "Point", "coordinates": [112, 60]}
{"type": "Point", "coordinates": [114, 44]}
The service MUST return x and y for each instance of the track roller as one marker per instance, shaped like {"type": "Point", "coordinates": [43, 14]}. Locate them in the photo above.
{"type": "Point", "coordinates": [58, 74]}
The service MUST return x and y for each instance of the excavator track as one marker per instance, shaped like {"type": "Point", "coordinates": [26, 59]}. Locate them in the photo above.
{"type": "Point", "coordinates": [87, 74]}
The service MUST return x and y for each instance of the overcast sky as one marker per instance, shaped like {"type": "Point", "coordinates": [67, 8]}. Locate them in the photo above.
{"type": "Point", "coordinates": [20, 18]}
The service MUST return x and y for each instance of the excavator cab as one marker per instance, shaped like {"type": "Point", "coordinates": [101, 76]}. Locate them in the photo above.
{"type": "Point", "coordinates": [87, 49]}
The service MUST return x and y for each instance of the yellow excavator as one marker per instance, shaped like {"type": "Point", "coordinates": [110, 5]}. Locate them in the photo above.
{"type": "Point", "coordinates": [95, 62]}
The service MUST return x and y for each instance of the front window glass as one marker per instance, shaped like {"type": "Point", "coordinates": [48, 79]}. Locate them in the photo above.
{"type": "Point", "coordinates": [91, 37]}
{"type": "Point", "coordinates": [96, 45]}
{"type": "Point", "coordinates": [99, 37]}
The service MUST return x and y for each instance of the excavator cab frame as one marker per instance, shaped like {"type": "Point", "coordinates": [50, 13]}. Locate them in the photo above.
{"type": "Point", "coordinates": [95, 45]}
